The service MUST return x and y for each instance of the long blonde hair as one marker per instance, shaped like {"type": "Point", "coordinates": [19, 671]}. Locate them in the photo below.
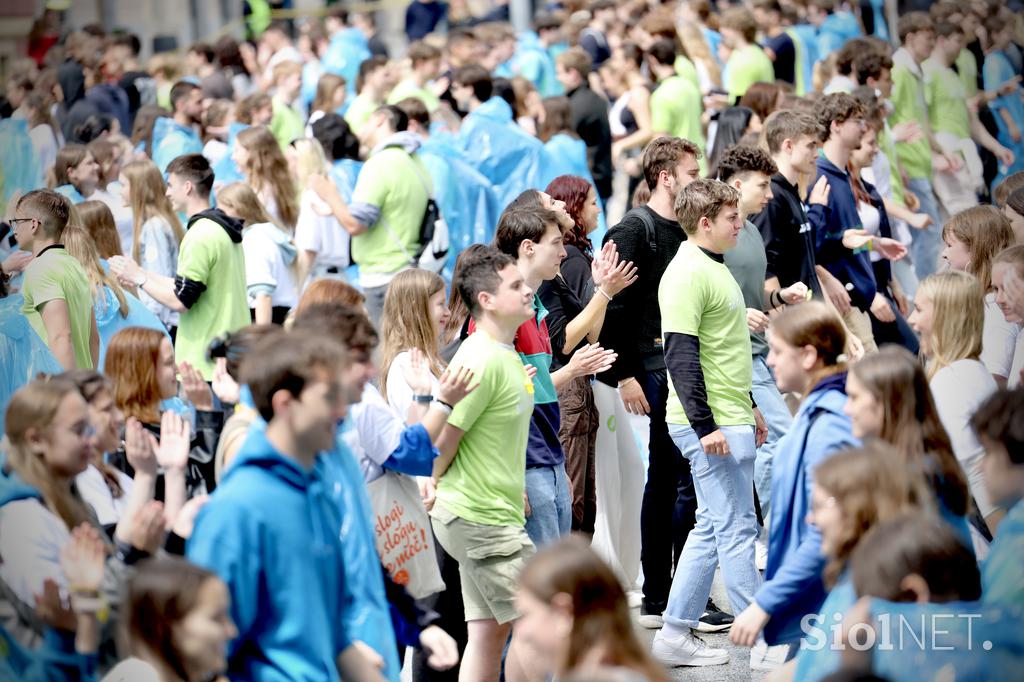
{"type": "Point", "coordinates": [35, 406]}
{"type": "Point", "coordinates": [958, 317]}
{"type": "Point", "coordinates": [81, 246]}
{"type": "Point", "coordinates": [241, 201]}
{"type": "Point", "coordinates": [147, 199]}
{"type": "Point", "coordinates": [309, 160]}
{"type": "Point", "coordinates": [266, 169]}
{"type": "Point", "coordinates": [406, 321]}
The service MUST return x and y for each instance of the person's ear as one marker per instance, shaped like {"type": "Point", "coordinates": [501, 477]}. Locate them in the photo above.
{"type": "Point", "coordinates": [704, 223]}
{"type": "Point", "coordinates": [737, 184]}
{"type": "Point", "coordinates": [281, 400]}
{"type": "Point", "coordinates": [808, 357]}
{"type": "Point", "coordinates": [564, 615]}
{"type": "Point", "coordinates": [485, 300]}
{"type": "Point", "coordinates": [915, 589]}
{"type": "Point", "coordinates": [787, 146]}
{"type": "Point", "coordinates": [188, 187]}
{"type": "Point", "coordinates": [527, 248]}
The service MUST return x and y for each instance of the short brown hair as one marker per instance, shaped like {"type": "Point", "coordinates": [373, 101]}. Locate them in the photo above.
{"type": "Point", "coordinates": [416, 110]}
{"type": "Point", "coordinates": [421, 51]}
{"type": "Point", "coordinates": [477, 272]}
{"type": "Point", "coordinates": [576, 59]}
{"type": "Point", "coordinates": [788, 124]}
{"type": "Point", "coordinates": [520, 224]}
{"type": "Point", "coordinates": [348, 325]}
{"type": "Point", "coordinates": [288, 361]}
{"type": "Point", "coordinates": [838, 107]}
{"type": "Point", "coordinates": [1006, 187]}
{"type": "Point", "coordinates": [663, 154]}
{"type": "Point", "coordinates": [703, 198]}
{"type": "Point", "coordinates": [914, 22]}
{"type": "Point", "coordinates": [50, 208]}
{"type": "Point", "coordinates": [740, 159]}
{"type": "Point", "coordinates": [741, 20]}
{"type": "Point", "coordinates": [870, 64]}
{"type": "Point", "coordinates": [193, 168]}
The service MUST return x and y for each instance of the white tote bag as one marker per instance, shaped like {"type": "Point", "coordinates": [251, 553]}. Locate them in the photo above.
{"type": "Point", "coordinates": [402, 531]}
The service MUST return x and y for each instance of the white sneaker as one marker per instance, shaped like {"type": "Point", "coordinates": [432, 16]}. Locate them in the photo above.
{"type": "Point", "coordinates": [760, 554]}
{"type": "Point", "coordinates": [686, 649]}
{"type": "Point", "coordinates": [651, 621]}
{"type": "Point", "coordinates": [635, 598]}
{"type": "Point", "coordinates": [764, 657]}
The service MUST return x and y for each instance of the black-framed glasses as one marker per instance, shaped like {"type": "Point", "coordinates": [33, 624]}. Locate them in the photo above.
{"type": "Point", "coordinates": [14, 221]}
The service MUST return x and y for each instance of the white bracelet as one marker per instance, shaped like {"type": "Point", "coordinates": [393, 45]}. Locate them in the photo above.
{"type": "Point", "coordinates": [444, 406]}
{"type": "Point", "coordinates": [603, 293]}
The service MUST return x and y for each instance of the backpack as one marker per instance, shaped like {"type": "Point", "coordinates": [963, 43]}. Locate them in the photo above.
{"type": "Point", "coordinates": [432, 246]}
{"type": "Point", "coordinates": [649, 228]}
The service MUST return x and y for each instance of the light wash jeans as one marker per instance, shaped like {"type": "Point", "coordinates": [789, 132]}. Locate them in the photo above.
{"type": "Point", "coordinates": [550, 517]}
{"type": "Point", "coordinates": [927, 244]}
{"type": "Point", "coordinates": [725, 529]}
{"type": "Point", "coordinates": [776, 414]}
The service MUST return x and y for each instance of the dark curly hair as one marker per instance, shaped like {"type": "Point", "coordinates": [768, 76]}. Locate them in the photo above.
{"type": "Point", "coordinates": [839, 107]}
{"type": "Point", "coordinates": [743, 158]}
{"type": "Point", "coordinates": [573, 190]}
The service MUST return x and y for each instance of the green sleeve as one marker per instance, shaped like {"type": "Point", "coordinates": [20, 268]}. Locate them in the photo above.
{"type": "Point", "coordinates": [374, 184]}
{"type": "Point", "coordinates": [473, 405]}
{"type": "Point", "coordinates": [196, 256]}
{"type": "Point", "coordinates": [682, 314]}
{"type": "Point", "coordinates": [42, 287]}
{"type": "Point", "coordinates": [661, 114]}
{"type": "Point", "coordinates": [904, 87]}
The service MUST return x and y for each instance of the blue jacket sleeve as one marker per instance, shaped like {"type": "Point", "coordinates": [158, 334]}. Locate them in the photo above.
{"type": "Point", "coordinates": [828, 434]}
{"type": "Point", "coordinates": [54, 661]}
{"type": "Point", "coordinates": [414, 455]}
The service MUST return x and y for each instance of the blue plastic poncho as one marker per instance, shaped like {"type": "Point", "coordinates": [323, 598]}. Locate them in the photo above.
{"type": "Point", "coordinates": [23, 354]}
{"type": "Point", "coordinates": [503, 152]}
{"type": "Point", "coordinates": [835, 31]}
{"type": "Point", "coordinates": [109, 320]}
{"type": "Point", "coordinates": [348, 49]}
{"type": "Point", "coordinates": [805, 39]}
{"type": "Point", "coordinates": [996, 71]}
{"type": "Point", "coordinates": [226, 171]}
{"type": "Point", "coordinates": [171, 140]}
{"type": "Point", "coordinates": [533, 62]}
{"type": "Point", "coordinates": [71, 192]}
{"type": "Point", "coordinates": [19, 163]}
{"type": "Point", "coordinates": [467, 199]}
{"type": "Point", "coordinates": [569, 157]}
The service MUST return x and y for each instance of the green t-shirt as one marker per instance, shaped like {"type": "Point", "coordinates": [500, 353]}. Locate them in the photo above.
{"type": "Point", "coordinates": [687, 69]}
{"type": "Point", "coordinates": [408, 88]}
{"type": "Point", "coordinates": [287, 124]}
{"type": "Point", "coordinates": [886, 144]}
{"type": "Point", "coordinates": [947, 100]}
{"type": "Point", "coordinates": [208, 255]}
{"type": "Point", "coordinates": [359, 112]}
{"type": "Point", "coordinates": [698, 296]}
{"type": "Point", "coordinates": [967, 68]}
{"type": "Point", "coordinates": [486, 480]}
{"type": "Point", "coordinates": [748, 263]}
{"type": "Point", "coordinates": [676, 107]}
{"type": "Point", "coordinates": [55, 275]}
{"type": "Point", "coordinates": [909, 104]}
{"type": "Point", "coordinates": [746, 66]}
{"type": "Point", "coordinates": [398, 184]}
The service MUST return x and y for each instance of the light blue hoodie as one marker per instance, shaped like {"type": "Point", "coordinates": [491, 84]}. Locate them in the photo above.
{"type": "Point", "coordinates": [793, 585]}
{"type": "Point", "coordinates": [270, 531]}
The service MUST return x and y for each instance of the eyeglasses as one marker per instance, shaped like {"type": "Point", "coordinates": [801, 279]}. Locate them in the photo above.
{"type": "Point", "coordinates": [14, 221]}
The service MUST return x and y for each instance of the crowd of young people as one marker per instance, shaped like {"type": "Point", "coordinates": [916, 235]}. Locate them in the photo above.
{"type": "Point", "coordinates": [316, 356]}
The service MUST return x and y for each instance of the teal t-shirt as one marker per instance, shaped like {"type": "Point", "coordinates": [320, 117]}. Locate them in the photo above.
{"type": "Point", "coordinates": [748, 263]}
{"type": "Point", "coordinates": [487, 477]}
{"type": "Point", "coordinates": [208, 255]}
{"type": "Point", "coordinates": [56, 275]}
{"type": "Point", "coordinates": [699, 296]}
{"type": "Point", "coordinates": [398, 184]}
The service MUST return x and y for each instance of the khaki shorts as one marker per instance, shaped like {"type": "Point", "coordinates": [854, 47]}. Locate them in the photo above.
{"type": "Point", "coordinates": [490, 560]}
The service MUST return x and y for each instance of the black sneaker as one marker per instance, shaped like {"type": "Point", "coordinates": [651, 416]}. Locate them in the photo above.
{"type": "Point", "coordinates": [714, 619]}
{"type": "Point", "coordinates": [650, 616]}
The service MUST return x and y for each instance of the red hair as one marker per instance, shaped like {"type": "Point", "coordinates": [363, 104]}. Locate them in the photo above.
{"type": "Point", "coordinates": [573, 190]}
{"type": "Point", "coordinates": [132, 358]}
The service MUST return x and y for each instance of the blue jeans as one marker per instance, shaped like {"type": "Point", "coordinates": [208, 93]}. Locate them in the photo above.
{"type": "Point", "coordinates": [927, 244]}
{"type": "Point", "coordinates": [776, 414]}
{"type": "Point", "coordinates": [550, 517]}
{"type": "Point", "coordinates": [725, 529]}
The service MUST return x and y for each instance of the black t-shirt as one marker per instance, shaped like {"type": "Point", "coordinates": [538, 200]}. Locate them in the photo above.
{"type": "Point", "coordinates": [788, 237]}
{"type": "Point", "coordinates": [564, 297]}
{"type": "Point", "coordinates": [785, 57]}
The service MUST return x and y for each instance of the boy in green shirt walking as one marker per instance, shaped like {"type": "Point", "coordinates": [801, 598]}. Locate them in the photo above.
{"type": "Point", "coordinates": [747, 64]}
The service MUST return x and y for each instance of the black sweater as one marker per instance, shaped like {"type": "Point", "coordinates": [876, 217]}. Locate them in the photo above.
{"type": "Point", "coordinates": [632, 326]}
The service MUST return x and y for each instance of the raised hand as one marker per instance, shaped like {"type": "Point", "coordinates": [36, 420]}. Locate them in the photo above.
{"type": "Point", "coordinates": [82, 560]}
{"type": "Point", "coordinates": [224, 387]}
{"type": "Point", "coordinates": [196, 389]}
{"type": "Point", "coordinates": [591, 359]}
{"type": "Point", "coordinates": [604, 262]}
{"type": "Point", "coordinates": [623, 275]}
{"type": "Point", "coordinates": [140, 447]}
{"type": "Point", "coordinates": [147, 528]}
{"type": "Point", "coordinates": [820, 192]}
{"type": "Point", "coordinates": [186, 518]}
{"type": "Point", "coordinates": [125, 269]}
{"type": "Point", "coordinates": [456, 385]}
{"type": "Point", "coordinates": [175, 442]}
{"type": "Point", "coordinates": [16, 262]}
{"type": "Point", "coordinates": [417, 374]}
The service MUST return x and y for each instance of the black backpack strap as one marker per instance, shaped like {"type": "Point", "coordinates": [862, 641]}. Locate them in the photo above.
{"type": "Point", "coordinates": [649, 227]}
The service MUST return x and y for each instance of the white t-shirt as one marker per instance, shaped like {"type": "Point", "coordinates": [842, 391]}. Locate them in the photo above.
{"type": "Point", "coordinates": [321, 234]}
{"type": "Point", "coordinates": [998, 340]}
{"type": "Point", "coordinates": [31, 537]}
{"type": "Point", "coordinates": [871, 221]}
{"type": "Point", "coordinates": [265, 265]}
{"type": "Point", "coordinates": [375, 433]}
{"type": "Point", "coordinates": [959, 389]}
{"type": "Point", "coordinates": [94, 490]}
{"type": "Point", "coordinates": [122, 214]}
{"type": "Point", "coordinates": [400, 395]}
{"type": "Point", "coordinates": [215, 150]}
